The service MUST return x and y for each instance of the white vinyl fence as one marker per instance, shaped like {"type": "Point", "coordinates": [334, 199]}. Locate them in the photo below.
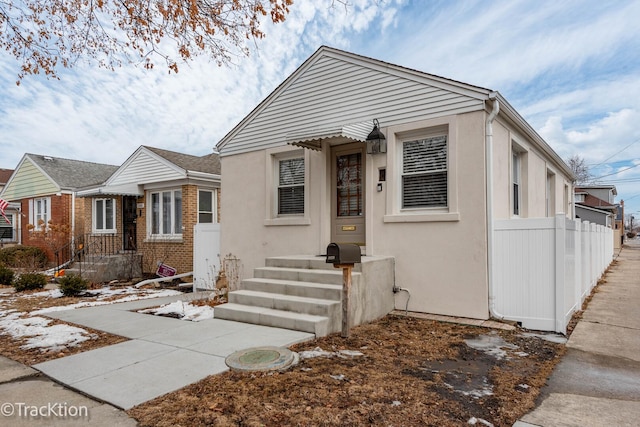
{"type": "Point", "coordinates": [544, 268]}
{"type": "Point", "coordinates": [206, 255]}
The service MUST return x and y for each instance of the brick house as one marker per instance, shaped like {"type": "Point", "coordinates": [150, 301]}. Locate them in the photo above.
{"type": "Point", "coordinates": [151, 204]}
{"type": "Point", "coordinates": [43, 190]}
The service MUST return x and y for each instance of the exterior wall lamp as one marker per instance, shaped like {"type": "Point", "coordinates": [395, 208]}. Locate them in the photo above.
{"type": "Point", "coordinates": [376, 141]}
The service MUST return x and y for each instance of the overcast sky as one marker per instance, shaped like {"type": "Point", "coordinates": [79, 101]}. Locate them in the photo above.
{"type": "Point", "coordinates": [571, 68]}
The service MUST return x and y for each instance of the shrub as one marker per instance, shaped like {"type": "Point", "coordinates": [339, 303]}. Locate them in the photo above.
{"type": "Point", "coordinates": [28, 281]}
{"type": "Point", "coordinates": [72, 285]}
{"type": "Point", "coordinates": [20, 256]}
{"type": "Point", "coordinates": [6, 276]}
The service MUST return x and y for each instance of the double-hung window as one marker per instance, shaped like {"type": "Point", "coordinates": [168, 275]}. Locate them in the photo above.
{"type": "Point", "coordinates": [166, 213]}
{"type": "Point", "coordinates": [291, 186]}
{"type": "Point", "coordinates": [6, 228]}
{"type": "Point", "coordinates": [40, 213]}
{"type": "Point", "coordinates": [424, 173]}
{"type": "Point", "coordinates": [104, 215]}
{"type": "Point", "coordinates": [516, 177]}
{"type": "Point", "coordinates": [206, 206]}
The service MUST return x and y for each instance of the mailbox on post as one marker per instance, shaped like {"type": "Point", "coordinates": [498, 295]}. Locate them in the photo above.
{"type": "Point", "coordinates": [340, 254]}
{"type": "Point", "coordinates": [344, 256]}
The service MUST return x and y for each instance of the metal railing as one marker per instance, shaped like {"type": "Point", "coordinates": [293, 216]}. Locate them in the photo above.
{"type": "Point", "coordinates": [88, 249]}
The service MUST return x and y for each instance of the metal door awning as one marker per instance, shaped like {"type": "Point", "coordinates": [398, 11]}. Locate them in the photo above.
{"type": "Point", "coordinates": [113, 190]}
{"type": "Point", "coordinates": [312, 138]}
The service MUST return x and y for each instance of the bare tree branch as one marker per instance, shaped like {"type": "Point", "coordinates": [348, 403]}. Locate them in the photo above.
{"type": "Point", "coordinates": [47, 34]}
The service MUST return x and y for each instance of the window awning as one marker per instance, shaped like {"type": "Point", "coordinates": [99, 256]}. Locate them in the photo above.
{"type": "Point", "coordinates": [113, 190]}
{"type": "Point", "coordinates": [312, 138]}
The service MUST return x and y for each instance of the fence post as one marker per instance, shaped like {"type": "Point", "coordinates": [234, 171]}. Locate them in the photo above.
{"type": "Point", "coordinates": [560, 242]}
{"type": "Point", "coordinates": [577, 290]}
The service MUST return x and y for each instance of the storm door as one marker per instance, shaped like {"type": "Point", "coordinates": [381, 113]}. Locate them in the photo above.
{"type": "Point", "coordinates": [129, 218]}
{"type": "Point", "coordinates": [348, 208]}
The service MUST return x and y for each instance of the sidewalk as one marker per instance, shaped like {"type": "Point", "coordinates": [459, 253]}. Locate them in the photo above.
{"type": "Point", "coordinates": [597, 383]}
{"type": "Point", "coordinates": [162, 355]}
{"type": "Point", "coordinates": [29, 399]}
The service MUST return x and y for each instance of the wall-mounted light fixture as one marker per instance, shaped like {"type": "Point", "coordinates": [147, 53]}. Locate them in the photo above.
{"type": "Point", "coordinates": [376, 141]}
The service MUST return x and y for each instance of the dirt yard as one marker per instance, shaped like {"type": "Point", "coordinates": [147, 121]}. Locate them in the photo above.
{"type": "Point", "coordinates": [411, 372]}
{"type": "Point", "coordinates": [398, 371]}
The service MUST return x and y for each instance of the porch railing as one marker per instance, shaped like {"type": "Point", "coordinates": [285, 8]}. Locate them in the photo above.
{"type": "Point", "coordinates": [88, 248]}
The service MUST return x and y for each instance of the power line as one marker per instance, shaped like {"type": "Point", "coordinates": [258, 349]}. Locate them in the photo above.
{"type": "Point", "coordinates": [610, 157]}
{"type": "Point", "coordinates": [615, 173]}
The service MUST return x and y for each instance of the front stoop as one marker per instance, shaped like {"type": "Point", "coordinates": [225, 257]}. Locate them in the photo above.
{"type": "Point", "coordinates": [110, 267]}
{"type": "Point", "coordinates": [301, 293]}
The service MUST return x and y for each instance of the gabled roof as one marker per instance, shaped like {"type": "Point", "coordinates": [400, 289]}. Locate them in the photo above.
{"type": "Point", "coordinates": [333, 89]}
{"type": "Point", "coordinates": [72, 174]}
{"type": "Point", "coordinates": [594, 202]}
{"type": "Point", "coordinates": [586, 188]}
{"type": "Point", "coordinates": [209, 163]}
{"type": "Point", "coordinates": [39, 175]}
{"type": "Point", "coordinates": [5, 174]}
{"type": "Point", "coordinates": [151, 165]}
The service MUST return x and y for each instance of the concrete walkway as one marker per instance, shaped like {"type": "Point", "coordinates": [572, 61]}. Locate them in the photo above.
{"type": "Point", "coordinates": [597, 383]}
{"type": "Point", "coordinates": [163, 355]}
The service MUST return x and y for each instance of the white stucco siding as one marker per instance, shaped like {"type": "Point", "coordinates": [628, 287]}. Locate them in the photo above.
{"type": "Point", "coordinates": [443, 263]}
{"type": "Point", "coordinates": [243, 214]}
{"type": "Point", "coordinates": [535, 167]}
{"type": "Point", "coordinates": [333, 91]}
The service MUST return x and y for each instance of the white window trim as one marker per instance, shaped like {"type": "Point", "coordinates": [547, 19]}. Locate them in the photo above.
{"type": "Point", "coordinates": [273, 157]}
{"type": "Point", "coordinates": [518, 150]}
{"type": "Point", "coordinates": [32, 213]}
{"type": "Point", "coordinates": [396, 135]}
{"type": "Point", "coordinates": [214, 204]}
{"type": "Point", "coordinates": [551, 193]}
{"type": "Point", "coordinates": [94, 217]}
{"type": "Point", "coordinates": [12, 225]}
{"type": "Point", "coordinates": [169, 236]}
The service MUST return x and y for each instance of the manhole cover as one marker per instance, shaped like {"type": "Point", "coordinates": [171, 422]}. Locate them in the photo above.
{"type": "Point", "coordinates": [262, 359]}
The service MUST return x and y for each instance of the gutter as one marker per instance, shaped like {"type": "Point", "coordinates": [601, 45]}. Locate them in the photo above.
{"type": "Point", "coordinates": [493, 96]}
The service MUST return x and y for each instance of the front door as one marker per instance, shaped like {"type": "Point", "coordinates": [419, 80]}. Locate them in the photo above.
{"type": "Point", "coordinates": [347, 207]}
{"type": "Point", "coordinates": [129, 219]}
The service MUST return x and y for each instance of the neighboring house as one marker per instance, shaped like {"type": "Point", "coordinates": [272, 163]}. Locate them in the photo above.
{"type": "Point", "coordinates": [44, 189]}
{"type": "Point", "coordinates": [151, 204]}
{"type": "Point", "coordinates": [596, 204]}
{"type": "Point", "coordinates": [299, 174]}
{"type": "Point", "coordinates": [9, 229]}
{"type": "Point", "coordinates": [5, 174]}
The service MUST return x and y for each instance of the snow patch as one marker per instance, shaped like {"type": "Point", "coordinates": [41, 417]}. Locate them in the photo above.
{"type": "Point", "coordinates": [492, 345]}
{"type": "Point", "coordinates": [318, 352]}
{"type": "Point", "coordinates": [40, 334]}
{"type": "Point", "coordinates": [132, 294]}
{"type": "Point", "coordinates": [185, 311]}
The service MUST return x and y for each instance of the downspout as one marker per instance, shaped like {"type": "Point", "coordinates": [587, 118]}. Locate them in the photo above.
{"type": "Point", "coordinates": [73, 216]}
{"type": "Point", "coordinates": [490, 222]}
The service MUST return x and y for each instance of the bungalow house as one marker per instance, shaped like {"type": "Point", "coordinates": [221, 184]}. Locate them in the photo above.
{"type": "Point", "coordinates": [412, 167]}
{"type": "Point", "coordinates": [42, 190]}
{"type": "Point", "coordinates": [150, 205]}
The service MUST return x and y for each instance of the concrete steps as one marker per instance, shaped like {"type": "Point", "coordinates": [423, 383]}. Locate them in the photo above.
{"type": "Point", "coordinates": [107, 268]}
{"type": "Point", "coordinates": [299, 293]}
